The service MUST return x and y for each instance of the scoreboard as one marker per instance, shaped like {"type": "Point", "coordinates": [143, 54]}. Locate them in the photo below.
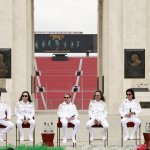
{"type": "Point", "coordinates": [69, 43]}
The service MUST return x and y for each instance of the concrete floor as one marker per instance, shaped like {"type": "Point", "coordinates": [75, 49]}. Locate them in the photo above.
{"type": "Point", "coordinates": [114, 132]}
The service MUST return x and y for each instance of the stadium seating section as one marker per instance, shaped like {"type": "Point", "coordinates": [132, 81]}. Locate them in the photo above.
{"type": "Point", "coordinates": [58, 78]}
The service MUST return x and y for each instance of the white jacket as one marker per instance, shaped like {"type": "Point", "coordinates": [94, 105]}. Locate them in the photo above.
{"type": "Point", "coordinates": [98, 110]}
{"type": "Point", "coordinates": [24, 110]}
{"type": "Point", "coordinates": [4, 108]}
{"type": "Point", "coordinates": [127, 106]}
{"type": "Point", "coordinates": [67, 110]}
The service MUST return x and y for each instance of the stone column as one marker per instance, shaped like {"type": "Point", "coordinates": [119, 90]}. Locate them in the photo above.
{"type": "Point", "coordinates": [113, 53]}
{"type": "Point", "coordinates": [6, 42]}
{"type": "Point", "coordinates": [136, 36]}
{"type": "Point", "coordinates": [16, 30]}
{"type": "Point", "coordinates": [99, 45]}
{"type": "Point", "coordinates": [22, 47]}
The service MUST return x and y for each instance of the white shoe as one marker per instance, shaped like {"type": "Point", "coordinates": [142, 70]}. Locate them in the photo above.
{"type": "Point", "coordinates": [92, 138]}
{"type": "Point", "coordinates": [91, 143]}
{"type": "Point", "coordinates": [21, 137]}
{"type": "Point", "coordinates": [1, 139]}
{"type": "Point", "coordinates": [30, 138]}
{"type": "Point", "coordinates": [132, 137]}
{"type": "Point", "coordinates": [64, 140]}
{"type": "Point", "coordinates": [104, 137]}
{"type": "Point", "coordinates": [73, 140]}
{"type": "Point", "coordinates": [126, 137]}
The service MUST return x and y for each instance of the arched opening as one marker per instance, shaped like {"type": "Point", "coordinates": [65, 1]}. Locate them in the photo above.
{"type": "Point", "coordinates": [58, 19]}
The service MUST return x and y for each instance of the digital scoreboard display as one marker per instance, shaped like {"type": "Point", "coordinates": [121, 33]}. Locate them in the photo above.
{"type": "Point", "coordinates": [69, 43]}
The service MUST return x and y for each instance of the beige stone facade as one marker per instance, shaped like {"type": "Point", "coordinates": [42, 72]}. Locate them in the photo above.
{"type": "Point", "coordinates": [16, 30]}
{"type": "Point", "coordinates": [125, 25]}
{"type": "Point", "coordinates": [122, 24]}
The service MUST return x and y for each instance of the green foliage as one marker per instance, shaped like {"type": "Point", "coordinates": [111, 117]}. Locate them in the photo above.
{"type": "Point", "coordinates": [36, 147]}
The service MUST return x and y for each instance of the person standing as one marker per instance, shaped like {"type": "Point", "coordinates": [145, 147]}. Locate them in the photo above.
{"type": "Point", "coordinates": [5, 116]}
{"type": "Point", "coordinates": [67, 112]}
{"type": "Point", "coordinates": [25, 112]}
{"type": "Point", "coordinates": [97, 114]}
{"type": "Point", "coordinates": [129, 111]}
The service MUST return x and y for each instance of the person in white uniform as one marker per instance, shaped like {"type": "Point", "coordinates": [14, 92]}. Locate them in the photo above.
{"type": "Point", "coordinates": [5, 116]}
{"type": "Point", "coordinates": [129, 111]}
{"type": "Point", "coordinates": [67, 112]}
{"type": "Point", "coordinates": [97, 114]}
{"type": "Point", "coordinates": [25, 112]}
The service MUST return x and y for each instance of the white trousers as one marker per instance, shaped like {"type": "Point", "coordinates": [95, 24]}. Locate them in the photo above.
{"type": "Point", "coordinates": [124, 122]}
{"type": "Point", "coordinates": [9, 125]}
{"type": "Point", "coordinates": [32, 126]}
{"type": "Point", "coordinates": [64, 122]}
{"type": "Point", "coordinates": [91, 122]}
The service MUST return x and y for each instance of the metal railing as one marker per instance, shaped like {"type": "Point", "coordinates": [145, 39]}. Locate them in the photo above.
{"type": "Point", "coordinates": [53, 94]}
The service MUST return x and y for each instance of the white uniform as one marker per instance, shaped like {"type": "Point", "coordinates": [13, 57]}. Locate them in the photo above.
{"type": "Point", "coordinates": [26, 110]}
{"type": "Point", "coordinates": [68, 110]}
{"type": "Point", "coordinates": [126, 107]}
{"type": "Point", "coordinates": [98, 111]}
{"type": "Point", "coordinates": [5, 109]}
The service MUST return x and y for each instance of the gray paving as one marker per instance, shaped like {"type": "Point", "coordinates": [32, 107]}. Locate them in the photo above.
{"type": "Point", "coordinates": [97, 147]}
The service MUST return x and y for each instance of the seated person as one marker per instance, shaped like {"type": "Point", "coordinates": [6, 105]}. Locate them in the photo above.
{"type": "Point", "coordinates": [129, 111]}
{"type": "Point", "coordinates": [97, 114]}
{"type": "Point", "coordinates": [5, 115]}
{"type": "Point", "coordinates": [25, 112]}
{"type": "Point", "coordinates": [67, 112]}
